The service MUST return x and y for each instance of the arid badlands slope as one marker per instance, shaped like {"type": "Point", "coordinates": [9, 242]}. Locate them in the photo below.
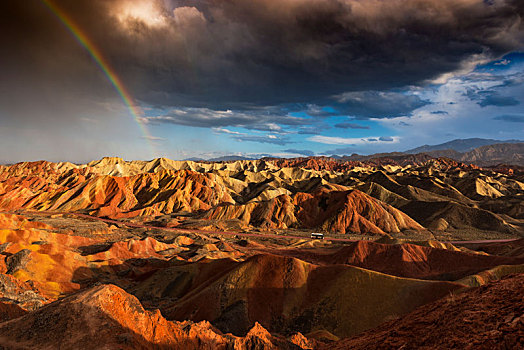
{"type": "Point", "coordinates": [218, 255]}
{"type": "Point", "coordinates": [437, 195]}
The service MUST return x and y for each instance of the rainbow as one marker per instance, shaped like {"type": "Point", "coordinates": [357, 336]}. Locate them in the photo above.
{"type": "Point", "coordinates": [104, 65]}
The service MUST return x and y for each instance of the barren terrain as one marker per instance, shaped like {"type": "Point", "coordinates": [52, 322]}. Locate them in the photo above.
{"type": "Point", "coordinates": [165, 254]}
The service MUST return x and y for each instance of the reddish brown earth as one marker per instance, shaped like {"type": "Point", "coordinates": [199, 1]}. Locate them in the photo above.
{"type": "Point", "coordinates": [328, 210]}
{"type": "Point", "coordinates": [428, 260]}
{"type": "Point", "coordinates": [488, 317]}
{"type": "Point", "coordinates": [340, 197]}
{"type": "Point", "coordinates": [283, 294]}
{"type": "Point", "coordinates": [107, 317]}
{"type": "Point", "coordinates": [415, 261]}
{"type": "Point", "coordinates": [351, 211]}
{"type": "Point", "coordinates": [514, 249]}
{"type": "Point", "coordinates": [10, 311]}
{"type": "Point", "coordinates": [161, 274]}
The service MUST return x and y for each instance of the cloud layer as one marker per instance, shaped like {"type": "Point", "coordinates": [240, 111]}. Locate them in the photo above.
{"type": "Point", "coordinates": [238, 53]}
{"type": "Point", "coordinates": [267, 73]}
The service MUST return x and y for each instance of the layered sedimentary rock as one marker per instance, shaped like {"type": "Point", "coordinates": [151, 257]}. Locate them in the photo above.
{"type": "Point", "coordinates": [308, 193]}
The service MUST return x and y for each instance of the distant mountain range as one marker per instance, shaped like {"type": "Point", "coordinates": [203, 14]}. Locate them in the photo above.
{"type": "Point", "coordinates": [460, 145]}
{"type": "Point", "coordinates": [493, 152]}
{"type": "Point", "coordinates": [506, 153]}
{"type": "Point", "coordinates": [230, 158]}
{"type": "Point", "coordinates": [489, 155]}
{"type": "Point", "coordinates": [482, 152]}
{"type": "Point", "coordinates": [220, 159]}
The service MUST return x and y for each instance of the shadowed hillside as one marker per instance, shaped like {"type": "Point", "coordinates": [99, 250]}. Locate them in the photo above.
{"type": "Point", "coordinates": [485, 317]}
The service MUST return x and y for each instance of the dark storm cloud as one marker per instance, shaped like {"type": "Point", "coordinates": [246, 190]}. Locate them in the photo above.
{"type": "Point", "coordinates": [348, 125]}
{"type": "Point", "coordinates": [205, 117]}
{"type": "Point", "coordinates": [268, 119]}
{"type": "Point", "coordinates": [377, 104]}
{"type": "Point", "coordinates": [386, 138]}
{"type": "Point", "coordinates": [261, 119]}
{"type": "Point", "coordinates": [239, 54]}
{"type": "Point", "coordinates": [512, 118]}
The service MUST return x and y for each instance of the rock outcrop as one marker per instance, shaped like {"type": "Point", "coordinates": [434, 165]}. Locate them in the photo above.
{"type": "Point", "coordinates": [106, 317]}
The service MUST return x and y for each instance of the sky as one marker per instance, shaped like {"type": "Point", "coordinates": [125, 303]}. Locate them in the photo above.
{"type": "Point", "coordinates": [140, 79]}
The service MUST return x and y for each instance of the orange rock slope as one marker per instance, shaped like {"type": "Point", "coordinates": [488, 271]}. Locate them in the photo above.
{"type": "Point", "coordinates": [324, 291]}
{"type": "Point", "coordinates": [104, 195]}
{"type": "Point", "coordinates": [335, 196]}
{"type": "Point", "coordinates": [106, 317]}
{"type": "Point", "coordinates": [332, 211]}
{"type": "Point", "coordinates": [58, 263]}
{"type": "Point", "coordinates": [284, 294]}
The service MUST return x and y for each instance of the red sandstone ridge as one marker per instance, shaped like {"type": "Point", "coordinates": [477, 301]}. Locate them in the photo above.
{"type": "Point", "coordinates": [415, 261]}
{"type": "Point", "coordinates": [315, 163]}
{"type": "Point", "coordinates": [350, 211]}
{"type": "Point", "coordinates": [107, 317]}
{"type": "Point", "coordinates": [104, 195]}
{"type": "Point", "coordinates": [348, 162]}
{"type": "Point", "coordinates": [277, 212]}
{"type": "Point", "coordinates": [488, 317]}
{"type": "Point", "coordinates": [304, 193]}
{"type": "Point", "coordinates": [334, 211]}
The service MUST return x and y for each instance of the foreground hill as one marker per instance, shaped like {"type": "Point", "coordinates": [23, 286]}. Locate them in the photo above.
{"type": "Point", "coordinates": [80, 282]}
{"type": "Point", "coordinates": [284, 294]}
{"type": "Point", "coordinates": [489, 317]}
{"type": "Point", "coordinates": [107, 317]}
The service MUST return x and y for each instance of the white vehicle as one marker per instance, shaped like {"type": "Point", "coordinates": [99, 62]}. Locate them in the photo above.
{"type": "Point", "coordinates": [317, 235]}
